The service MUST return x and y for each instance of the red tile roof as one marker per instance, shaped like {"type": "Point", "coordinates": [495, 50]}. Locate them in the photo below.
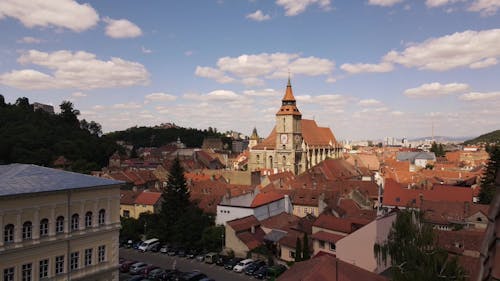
{"type": "Point", "coordinates": [127, 197]}
{"type": "Point", "coordinates": [327, 237]}
{"type": "Point", "coordinates": [266, 198]}
{"type": "Point", "coordinates": [344, 225]}
{"type": "Point", "coordinates": [281, 221]}
{"type": "Point", "coordinates": [244, 223]}
{"type": "Point", "coordinates": [252, 240]}
{"type": "Point", "coordinates": [148, 198]}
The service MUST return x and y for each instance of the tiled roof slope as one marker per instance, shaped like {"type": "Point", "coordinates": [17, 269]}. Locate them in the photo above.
{"type": "Point", "coordinates": [18, 179]}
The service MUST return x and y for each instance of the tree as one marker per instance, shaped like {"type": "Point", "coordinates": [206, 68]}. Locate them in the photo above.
{"type": "Point", "coordinates": [305, 248]}
{"type": "Point", "coordinates": [68, 113]}
{"type": "Point", "coordinates": [23, 103]}
{"type": "Point", "coordinates": [413, 253]}
{"type": "Point", "coordinates": [488, 186]}
{"type": "Point", "coordinates": [2, 101]}
{"type": "Point", "coordinates": [298, 250]}
{"type": "Point", "coordinates": [212, 238]}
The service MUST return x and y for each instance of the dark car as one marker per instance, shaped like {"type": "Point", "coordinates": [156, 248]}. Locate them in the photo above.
{"type": "Point", "coordinates": [145, 272]}
{"type": "Point", "coordinates": [275, 271]}
{"type": "Point", "coordinates": [181, 252]}
{"type": "Point", "coordinates": [221, 260]}
{"type": "Point", "coordinates": [136, 245]}
{"type": "Point", "coordinates": [136, 278]}
{"type": "Point", "coordinates": [172, 275]}
{"type": "Point", "coordinates": [156, 274]}
{"type": "Point", "coordinates": [261, 273]}
{"type": "Point", "coordinates": [256, 265]}
{"type": "Point", "coordinates": [191, 254]}
{"type": "Point", "coordinates": [125, 266]}
{"type": "Point", "coordinates": [192, 276]}
{"type": "Point", "coordinates": [172, 251]}
{"type": "Point", "coordinates": [155, 248]}
{"type": "Point", "coordinates": [230, 264]}
{"type": "Point", "coordinates": [164, 249]}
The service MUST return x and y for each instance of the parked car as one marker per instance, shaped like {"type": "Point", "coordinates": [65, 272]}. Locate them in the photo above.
{"type": "Point", "coordinates": [191, 254]}
{"type": "Point", "coordinates": [156, 274]}
{"type": "Point", "coordinates": [155, 247]}
{"type": "Point", "coordinates": [201, 257]}
{"type": "Point", "coordinates": [146, 245]}
{"type": "Point", "coordinates": [136, 245]}
{"type": "Point", "coordinates": [221, 260]}
{"type": "Point", "coordinates": [192, 276]}
{"type": "Point", "coordinates": [136, 278]}
{"type": "Point", "coordinates": [181, 252]}
{"type": "Point", "coordinates": [145, 271]}
{"type": "Point", "coordinates": [256, 265]}
{"type": "Point", "coordinates": [261, 273]}
{"type": "Point", "coordinates": [172, 275]}
{"type": "Point", "coordinates": [230, 264]}
{"type": "Point", "coordinates": [125, 266]}
{"type": "Point", "coordinates": [172, 251]}
{"type": "Point", "coordinates": [164, 249]}
{"type": "Point", "coordinates": [242, 265]}
{"type": "Point", "coordinates": [211, 257]}
{"type": "Point", "coordinates": [275, 271]}
{"type": "Point", "coordinates": [137, 267]}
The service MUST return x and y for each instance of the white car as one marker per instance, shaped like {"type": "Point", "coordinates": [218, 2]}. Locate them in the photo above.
{"type": "Point", "coordinates": [242, 265]}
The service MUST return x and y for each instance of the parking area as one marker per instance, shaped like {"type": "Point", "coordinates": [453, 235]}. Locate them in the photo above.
{"type": "Point", "coordinates": [213, 271]}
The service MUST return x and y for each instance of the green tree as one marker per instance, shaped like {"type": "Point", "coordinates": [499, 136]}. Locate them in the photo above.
{"type": "Point", "coordinates": [2, 101]}
{"type": "Point", "coordinates": [413, 253]}
{"type": "Point", "coordinates": [212, 238]}
{"type": "Point", "coordinates": [488, 186]}
{"type": "Point", "coordinates": [298, 250]}
{"type": "Point", "coordinates": [305, 248]}
{"type": "Point", "coordinates": [131, 229]}
{"type": "Point", "coordinates": [68, 113]}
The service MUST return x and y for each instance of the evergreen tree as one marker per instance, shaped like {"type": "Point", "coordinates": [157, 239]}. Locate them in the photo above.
{"type": "Point", "coordinates": [413, 252]}
{"type": "Point", "coordinates": [2, 101]}
{"type": "Point", "coordinates": [305, 248]}
{"type": "Point", "coordinates": [298, 250]}
{"type": "Point", "coordinates": [488, 186]}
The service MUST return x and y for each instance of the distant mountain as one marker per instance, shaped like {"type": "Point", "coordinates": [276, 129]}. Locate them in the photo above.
{"type": "Point", "coordinates": [491, 137]}
{"type": "Point", "coordinates": [442, 138]}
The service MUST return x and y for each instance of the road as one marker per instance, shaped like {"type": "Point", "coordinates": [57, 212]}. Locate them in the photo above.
{"type": "Point", "coordinates": [213, 271]}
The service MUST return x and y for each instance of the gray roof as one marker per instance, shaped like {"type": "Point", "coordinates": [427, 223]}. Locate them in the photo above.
{"type": "Point", "coordinates": [26, 178]}
{"type": "Point", "coordinates": [275, 235]}
{"type": "Point", "coordinates": [411, 156]}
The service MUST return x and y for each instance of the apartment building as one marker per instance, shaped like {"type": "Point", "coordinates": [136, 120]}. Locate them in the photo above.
{"type": "Point", "coordinates": [57, 225]}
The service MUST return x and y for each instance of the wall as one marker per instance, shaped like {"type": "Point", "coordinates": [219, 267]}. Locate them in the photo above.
{"type": "Point", "coordinates": [234, 243]}
{"type": "Point", "coordinates": [303, 210]}
{"type": "Point", "coordinates": [228, 213]}
{"type": "Point", "coordinates": [285, 253]}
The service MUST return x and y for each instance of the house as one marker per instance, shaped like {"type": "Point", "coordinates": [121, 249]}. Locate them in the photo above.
{"type": "Point", "coordinates": [449, 215]}
{"type": "Point", "coordinates": [419, 159]}
{"type": "Point", "coordinates": [134, 203]}
{"type": "Point", "coordinates": [259, 204]}
{"type": "Point", "coordinates": [243, 235]}
{"type": "Point", "coordinates": [57, 225]}
{"type": "Point", "coordinates": [328, 268]}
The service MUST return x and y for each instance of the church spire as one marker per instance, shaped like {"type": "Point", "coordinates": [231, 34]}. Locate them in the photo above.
{"type": "Point", "coordinates": [288, 103]}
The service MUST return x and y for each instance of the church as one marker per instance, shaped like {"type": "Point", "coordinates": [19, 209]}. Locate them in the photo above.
{"type": "Point", "coordinates": [294, 144]}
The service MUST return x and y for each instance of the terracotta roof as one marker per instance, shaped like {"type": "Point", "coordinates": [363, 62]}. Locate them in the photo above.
{"type": "Point", "coordinates": [127, 197]}
{"type": "Point", "coordinates": [344, 225]}
{"type": "Point", "coordinates": [281, 221]}
{"type": "Point", "coordinates": [442, 212]}
{"type": "Point", "coordinates": [244, 223]}
{"type": "Point", "coordinates": [264, 198]}
{"type": "Point", "coordinates": [290, 239]}
{"type": "Point", "coordinates": [327, 237]}
{"type": "Point", "coordinates": [459, 241]}
{"type": "Point", "coordinates": [288, 106]}
{"type": "Point", "coordinates": [252, 240]}
{"type": "Point", "coordinates": [148, 198]}
{"type": "Point", "coordinates": [328, 268]}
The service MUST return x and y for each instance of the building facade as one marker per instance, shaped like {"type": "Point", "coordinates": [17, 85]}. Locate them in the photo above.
{"type": "Point", "coordinates": [294, 144]}
{"type": "Point", "coordinates": [57, 225]}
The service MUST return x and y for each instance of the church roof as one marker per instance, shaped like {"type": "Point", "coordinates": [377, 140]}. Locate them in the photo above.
{"type": "Point", "coordinates": [254, 135]}
{"type": "Point", "coordinates": [312, 134]}
{"type": "Point", "coordinates": [288, 103]}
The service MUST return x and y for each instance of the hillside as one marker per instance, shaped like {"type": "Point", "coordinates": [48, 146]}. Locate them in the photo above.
{"type": "Point", "coordinates": [38, 137]}
{"type": "Point", "coordinates": [491, 137]}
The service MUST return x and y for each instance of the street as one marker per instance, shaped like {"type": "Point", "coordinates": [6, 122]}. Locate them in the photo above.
{"type": "Point", "coordinates": [183, 264]}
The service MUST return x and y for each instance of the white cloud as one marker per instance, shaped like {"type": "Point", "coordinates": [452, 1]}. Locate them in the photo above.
{"type": "Point", "coordinates": [397, 113]}
{"type": "Point", "coordinates": [484, 63]}
{"type": "Point", "coordinates": [217, 95]}
{"type": "Point", "coordinates": [262, 93]}
{"type": "Point", "coordinates": [79, 70]}
{"type": "Point", "coordinates": [264, 65]}
{"type": "Point", "coordinates": [146, 50]}
{"type": "Point", "coordinates": [29, 40]}
{"type": "Point", "coordinates": [485, 7]}
{"type": "Point", "coordinates": [258, 16]}
{"type": "Point", "coordinates": [476, 96]}
{"type": "Point", "coordinates": [439, 3]}
{"type": "Point", "coordinates": [436, 89]}
{"type": "Point", "coordinates": [160, 97]}
{"type": "Point", "coordinates": [121, 28]}
{"type": "Point", "coordinates": [213, 73]}
{"type": "Point", "coordinates": [370, 102]}
{"type": "Point", "coordinates": [384, 3]}
{"type": "Point", "coordinates": [78, 95]}
{"type": "Point", "coordinates": [130, 105]}
{"type": "Point", "coordinates": [295, 7]}
{"type": "Point", "coordinates": [366, 67]}
{"type": "Point", "coordinates": [461, 49]}
{"type": "Point", "coordinates": [67, 14]}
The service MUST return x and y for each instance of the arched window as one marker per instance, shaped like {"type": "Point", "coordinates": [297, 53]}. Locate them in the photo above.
{"type": "Point", "coordinates": [102, 217]}
{"type": "Point", "coordinates": [44, 227]}
{"type": "Point", "coordinates": [60, 224]}
{"type": "Point", "coordinates": [74, 222]}
{"type": "Point", "coordinates": [27, 230]}
{"type": "Point", "coordinates": [8, 233]}
{"type": "Point", "coordinates": [284, 160]}
{"type": "Point", "coordinates": [88, 219]}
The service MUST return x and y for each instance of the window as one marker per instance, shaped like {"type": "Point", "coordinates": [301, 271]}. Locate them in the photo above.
{"type": "Point", "coordinates": [102, 217]}
{"type": "Point", "coordinates": [27, 230]}
{"type": "Point", "coordinates": [332, 246]}
{"type": "Point", "coordinates": [59, 264]}
{"type": "Point", "coordinates": [321, 244]}
{"type": "Point", "coordinates": [292, 254]}
{"type": "Point", "coordinates": [44, 227]}
{"type": "Point", "coordinates": [8, 274]}
{"type": "Point", "coordinates": [8, 233]}
{"type": "Point", "coordinates": [258, 159]}
{"type": "Point", "coordinates": [102, 253]}
{"type": "Point", "coordinates": [305, 210]}
{"type": "Point", "coordinates": [88, 257]}
{"type": "Point", "coordinates": [74, 222]}
{"type": "Point", "coordinates": [60, 224]}
{"type": "Point", "coordinates": [75, 256]}
{"type": "Point", "coordinates": [43, 270]}
{"type": "Point", "coordinates": [88, 219]}
{"type": "Point", "coordinates": [126, 213]}
{"type": "Point", "coordinates": [26, 272]}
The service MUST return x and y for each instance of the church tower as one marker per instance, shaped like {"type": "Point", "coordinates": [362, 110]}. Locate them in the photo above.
{"type": "Point", "coordinates": [254, 139]}
{"type": "Point", "coordinates": [288, 134]}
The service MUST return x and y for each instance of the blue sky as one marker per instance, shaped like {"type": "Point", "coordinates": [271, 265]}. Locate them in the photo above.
{"type": "Point", "coordinates": [367, 69]}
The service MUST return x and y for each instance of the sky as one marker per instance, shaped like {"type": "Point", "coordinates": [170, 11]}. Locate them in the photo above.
{"type": "Point", "coordinates": [368, 69]}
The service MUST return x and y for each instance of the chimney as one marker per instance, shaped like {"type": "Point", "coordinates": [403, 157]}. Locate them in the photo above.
{"type": "Point", "coordinates": [252, 229]}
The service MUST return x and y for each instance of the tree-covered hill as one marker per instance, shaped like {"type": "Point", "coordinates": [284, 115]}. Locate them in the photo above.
{"type": "Point", "coordinates": [38, 137]}
{"type": "Point", "coordinates": [491, 137]}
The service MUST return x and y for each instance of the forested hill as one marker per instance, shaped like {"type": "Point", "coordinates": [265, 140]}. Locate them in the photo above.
{"type": "Point", "coordinates": [155, 137]}
{"type": "Point", "coordinates": [38, 137]}
{"type": "Point", "coordinates": [491, 137]}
